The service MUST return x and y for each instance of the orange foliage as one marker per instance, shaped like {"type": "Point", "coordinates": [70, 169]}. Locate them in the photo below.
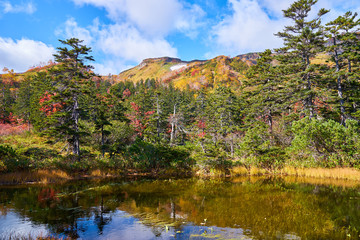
{"type": "Point", "coordinates": [47, 107]}
{"type": "Point", "coordinates": [12, 125]}
{"type": "Point", "coordinates": [126, 93]}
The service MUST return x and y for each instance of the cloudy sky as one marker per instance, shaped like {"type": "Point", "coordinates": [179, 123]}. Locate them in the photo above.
{"type": "Point", "coordinates": [122, 33]}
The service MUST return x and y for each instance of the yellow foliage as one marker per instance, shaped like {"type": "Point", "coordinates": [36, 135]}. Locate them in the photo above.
{"type": "Point", "coordinates": [39, 176]}
{"type": "Point", "coordinates": [238, 171]}
{"type": "Point", "coordinates": [334, 173]}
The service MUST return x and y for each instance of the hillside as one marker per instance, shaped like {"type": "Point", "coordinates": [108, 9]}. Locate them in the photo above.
{"type": "Point", "coordinates": [195, 74]}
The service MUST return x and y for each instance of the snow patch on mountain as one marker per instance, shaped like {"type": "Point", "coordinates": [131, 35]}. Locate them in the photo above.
{"type": "Point", "coordinates": [178, 66]}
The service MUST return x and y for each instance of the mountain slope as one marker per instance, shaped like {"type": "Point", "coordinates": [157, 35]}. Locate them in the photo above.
{"type": "Point", "coordinates": [195, 74]}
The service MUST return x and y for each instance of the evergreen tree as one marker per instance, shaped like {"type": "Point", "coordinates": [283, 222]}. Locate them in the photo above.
{"type": "Point", "coordinates": [71, 79]}
{"type": "Point", "coordinates": [223, 118]}
{"type": "Point", "coordinates": [264, 92]}
{"type": "Point", "coordinates": [39, 84]}
{"type": "Point", "coordinates": [7, 97]}
{"type": "Point", "coordinates": [24, 100]}
{"type": "Point", "coordinates": [302, 41]}
{"type": "Point", "coordinates": [344, 47]}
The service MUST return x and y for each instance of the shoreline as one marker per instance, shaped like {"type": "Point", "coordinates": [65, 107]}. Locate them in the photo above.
{"type": "Point", "coordinates": [58, 176]}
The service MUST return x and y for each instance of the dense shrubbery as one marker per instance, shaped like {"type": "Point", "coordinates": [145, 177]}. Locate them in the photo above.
{"type": "Point", "coordinates": [143, 155]}
{"type": "Point", "coordinates": [326, 143]}
{"type": "Point", "coordinates": [282, 114]}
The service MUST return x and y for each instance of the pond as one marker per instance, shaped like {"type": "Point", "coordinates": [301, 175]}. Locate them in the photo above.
{"type": "Point", "coordinates": [243, 208]}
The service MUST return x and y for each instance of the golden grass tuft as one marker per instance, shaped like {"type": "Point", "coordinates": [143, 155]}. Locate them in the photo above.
{"type": "Point", "coordinates": [239, 171]}
{"type": "Point", "coordinates": [39, 176]}
{"type": "Point", "coordinates": [322, 181]}
{"type": "Point", "coordinates": [335, 173]}
{"type": "Point", "coordinates": [97, 173]}
{"type": "Point", "coordinates": [255, 171]}
{"type": "Point", "coordinates": [321, 58]}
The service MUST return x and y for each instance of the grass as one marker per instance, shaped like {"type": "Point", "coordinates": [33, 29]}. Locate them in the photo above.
{"type": "Point", "coordinates": [321, 181]}
{"type": "Point", "coordinates": [46, 163]}
{"type": "Point", "coordinates": [30, 140]}
{"type": "Point", "coordinates": [344, 174]}
{"type": "Point", "coordinates": [255, 171]}
{"type": "Point", "coordinates": [38, 176]}
{"type": "Point", "coordinates": [238, 171]}
{"type": "Point", "coordinates": [334, 173]}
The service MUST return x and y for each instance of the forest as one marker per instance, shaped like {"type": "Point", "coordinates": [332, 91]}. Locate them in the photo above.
{"type": "Point", "coordinates": [297, 107]}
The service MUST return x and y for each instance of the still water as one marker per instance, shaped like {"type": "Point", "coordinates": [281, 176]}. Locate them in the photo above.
{"type": "Point", "coordinates": [244, 208]}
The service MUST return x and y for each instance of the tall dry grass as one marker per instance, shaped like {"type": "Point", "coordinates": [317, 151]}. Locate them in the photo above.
{"type": "Point", "coordinates": [38, 176]}
{"type": "Point", "coordinates": [238, 171]}
{"type": "Point", "coordinates": [334, 173]}
{"type": "Point", "coordinates": [322, 181]}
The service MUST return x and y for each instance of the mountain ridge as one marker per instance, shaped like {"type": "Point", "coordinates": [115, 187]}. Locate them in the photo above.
{"type": "Point", "coordinates": [195, 73]}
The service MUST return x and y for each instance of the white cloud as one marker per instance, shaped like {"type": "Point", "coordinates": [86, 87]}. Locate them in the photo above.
{"type": "Point", "coordinates": [122, 43]}
{"type": "Point", "coordinates": [72, 29]}
{"type": "Point", "coordinates": [337, 8]}
{"type": "Point", "coordinates": [111, 67]}
{"type": "Point", "coordinates": [22, 54]}
{"type": "Point", "coordinates": [275, 8]}
{"type": "Point", "coordinates": [152, 17]}
{"type": "Point", "coordinates": [28, 8]}
{"type": "Point", "coordinates": [125, 41]}
{"type": "Point", "coordinates": [248, 29]}
{"type": "Point", "coordinates": [140, 28]}
{"type": "Point", "coordinates": [138, 31]}
{"type": "Point", "coordinates": [252, 23]}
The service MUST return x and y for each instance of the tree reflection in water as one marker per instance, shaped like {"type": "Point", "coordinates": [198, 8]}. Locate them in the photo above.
{"type": "Point", "coordinates": [254, 208]}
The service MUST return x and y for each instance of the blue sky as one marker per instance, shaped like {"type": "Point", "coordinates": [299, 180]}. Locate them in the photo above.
{"type": "Point", "coordinates": [122, 33]}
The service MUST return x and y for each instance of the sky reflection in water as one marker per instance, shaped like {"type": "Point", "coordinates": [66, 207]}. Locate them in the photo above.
{"type": "Point", "coordinates": [247, 208]}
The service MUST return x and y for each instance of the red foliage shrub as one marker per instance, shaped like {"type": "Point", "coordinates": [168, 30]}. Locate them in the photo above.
{"type": "Point", "coordinates": [11, 129]}
{"type": "Point", "coordinates": [48, 107]}
{"type": "Point", "coordinates": [126, 93]}
{"type": "Point", "coordinates": [138, 118]}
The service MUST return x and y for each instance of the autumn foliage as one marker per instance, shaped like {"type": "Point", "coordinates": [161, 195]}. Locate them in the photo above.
{"type": "Point", "coordinates": [139, 118]}
{"type": "Point", "coordinates": [49, 107]}
{"type": "Point", "coordinates": [12, 125]}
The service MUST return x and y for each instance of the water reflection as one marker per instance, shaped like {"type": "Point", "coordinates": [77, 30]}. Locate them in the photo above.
{"type": "Point", "coordinates": [249, 208]}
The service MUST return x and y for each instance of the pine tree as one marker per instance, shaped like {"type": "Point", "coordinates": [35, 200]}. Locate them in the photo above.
{"type": "Point", "coordinates": [264, 91]}
{"type": "Point", "coordinates": [39, 83]}
{"type": "Point", "coordinates": [71, 79]}
{"type": "Point", "coordinates": [7, 98]}
{"type": "Point", "coordinates": [223, 118]}
{"type": "Point", "coordinates": [302, 41]}
{"type": "Point", "coordinates": [344, 47]}
{"type": "Point", "coordinates": [24, 100]}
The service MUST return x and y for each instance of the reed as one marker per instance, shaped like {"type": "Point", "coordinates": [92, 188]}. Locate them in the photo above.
{"type": "Point", "coordinates": [255, 171]}
{"type": "Point", "coordinates": [238, 171]}
{"type": "Point", "coordinates": [97, 173]}
{"type": "Point", "coordinates": [38, 176]}
{"type": "Point", "coordinates": [334, 173]}
{"type": "Point", "coordinates": [322, 181]}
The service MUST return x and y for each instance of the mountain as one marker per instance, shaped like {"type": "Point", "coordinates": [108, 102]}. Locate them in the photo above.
{"type": "Point", "coordinates": [194, 74]}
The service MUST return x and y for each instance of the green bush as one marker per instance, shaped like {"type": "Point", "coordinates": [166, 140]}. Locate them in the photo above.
{"type": "Point", "coordinates": [326, 143]}
{"type": "Point", "coordinates": [259, 148]}
{"type": "Point", "coordinates": [11, 160]}
{"type": "Point", "coordinates": [146, 156]}
{"type": "Point", "coordinates": [213, 159]}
